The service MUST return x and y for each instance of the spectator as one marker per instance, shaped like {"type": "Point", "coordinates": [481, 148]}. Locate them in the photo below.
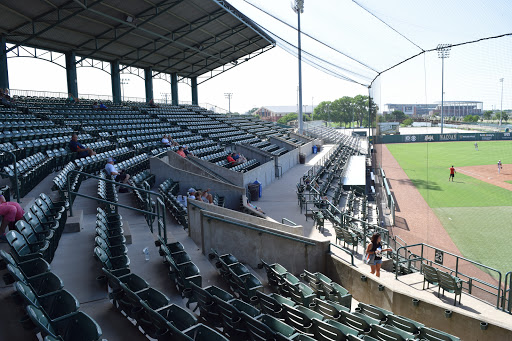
{"type": "Point", "coordinates": [11, 212]}
{"type": "Point", "coordinates": [207, 197]}
{"type": "Point", "coordinates": [71, 99]}
{"type": "Point", "coordinates": [231, 160]}
{"type": "Point", "coordinates": [103, 107]}
{"type": "Point", "coordinates": [239, 158]}
{"type": "Point", "coordinates": [121, 175]}
{"type": "Point", "coordinates": [180, 152]}
{"type": "Point", "coordinates": [185, 150]}
{"type": "Point", "coordinates": [152, 104]}
{"type": "Point", "coordinates": [374, 254]}
{"type": "Point", "coordinates": [5, 98]}
{"type": "Point", "coordinates": [191, 193]}
{"type": "Point", "coordinates": [198, 196]}
{"type": "Point", "coordinates": [95, 106]}
{"type": "Point", "coordinates": [77, 147]}
{"type": "Point", "coordinates": [165, 140]}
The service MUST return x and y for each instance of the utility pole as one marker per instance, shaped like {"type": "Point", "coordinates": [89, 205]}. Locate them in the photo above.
{"type": "Point", "coordinates": [501, 110]}
{"type": "Point", "coordinates": [228, 95]}
{"type": "Point", "coordinates": [443, 52]}
{"type": "Point", "coordinates": [298, 8]}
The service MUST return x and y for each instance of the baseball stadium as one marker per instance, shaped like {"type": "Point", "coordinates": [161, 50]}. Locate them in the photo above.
{"type": "Point", "coordinates": [134, 206]}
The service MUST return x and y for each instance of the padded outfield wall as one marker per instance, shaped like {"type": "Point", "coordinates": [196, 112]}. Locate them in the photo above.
{"type": "Point", "coordinates": [385, 139]}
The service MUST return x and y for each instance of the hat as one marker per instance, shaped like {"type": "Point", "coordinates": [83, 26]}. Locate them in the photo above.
{"type": "Point", "coordinates": [191, 190]}
{"type": "Point", "coordinates": [111, 159]}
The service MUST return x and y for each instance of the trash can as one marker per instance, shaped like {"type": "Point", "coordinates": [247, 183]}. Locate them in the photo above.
{"type": "Point", "coordinates": [302, 158]}
{"type": "Point", "coordinates": [315, 149]}
{"type": "Point", "coordinates": [260, 188]}
{"type": "Point", "coordinates": [319, 148]}
{"type": "Point", "coordinates": [254, 192]}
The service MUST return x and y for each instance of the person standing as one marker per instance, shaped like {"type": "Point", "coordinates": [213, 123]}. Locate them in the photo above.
{"type": "Point", "coordinates": [476, 146]}
{"type": "Point", "coordinates": [452, 173]}
{"type": "Point", "coordinates": [374, 251]}
{"type": "Point", "coordinates": [500, 166]}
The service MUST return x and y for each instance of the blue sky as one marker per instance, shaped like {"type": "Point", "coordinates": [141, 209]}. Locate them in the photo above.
{"type": "Point", "coordinates": [471, 73]}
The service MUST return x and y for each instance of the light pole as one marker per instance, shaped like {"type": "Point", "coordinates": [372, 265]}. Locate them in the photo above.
{"type": "Point", "coordinates": [298, 7]}
{"type": "Point", "coordinates": [501, 110]}
{"type": "Point", "coordinates": [228, 95]}
{"type": "Point", "coordinates": [443, 52]}
{"type": "Point", "coordinates": [123, 82]}
{"type": "Point", "coordinates": [165, 95]}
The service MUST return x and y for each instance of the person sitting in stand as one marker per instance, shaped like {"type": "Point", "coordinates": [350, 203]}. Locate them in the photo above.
{"type": "Point", "coordinates": [165, 141]}
{"type": "Point", "coordinates": [152, 104]}
{"type": "Point", "coordinates": [11, 212]}
{"type": "Point", "coordinates": [180, 152]}
{"type": "Point", "coordinates": [103, 107]}
{"type": "Point", "coordinates": [254, 207]}
{"type": "Point", "coordinates": [95, 106]}
{"type": "Point", "coordinates": [187, 153]}
{"type": "Point", "coordinates": [207, 197]}
{"type": "Point", "coordinates": [239, 158]}
{"type": "Point", "coordinates": [77, 147]}
{"type": "Point", "coordinates": [71, 99]}
{"type": "Point", "coordinates": [121, 175]}
{"type": "Point", "coordinates": [5, 98]}
{"type": "Point", "coordinates": [231, 160]}
{"type": "Point", "coordinates": [191, 193]}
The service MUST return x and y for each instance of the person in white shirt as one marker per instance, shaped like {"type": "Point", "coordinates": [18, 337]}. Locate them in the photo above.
{"type": "Point", "coordinates": [500, 166]}
{"type": "Point", "coordinates": [191, 193]}
{"type": "Point", "coordinates": [165, 140]}
{"type": "Point", "coordinates": [121, 176]}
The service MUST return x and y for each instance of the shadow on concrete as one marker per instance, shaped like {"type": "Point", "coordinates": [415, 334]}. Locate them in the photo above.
{"type": "Point", "coordinates": [401, 223]}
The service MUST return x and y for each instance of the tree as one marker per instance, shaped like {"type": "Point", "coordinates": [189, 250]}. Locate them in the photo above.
{"type": "Point", "coordinates": [471, 118]}
{"type": "Point", "coordinates": [407, 122]}
{"type": "Point", "coordinates": [253, 110]}
{"type": "Point", "coordinates": [487, 115]}
{"type": "Point", "coordinates": [504, 116]}
{"type": "Point", "coordinates": [322, 111]}
{"type": "Point", "coordinates": [292, 117]}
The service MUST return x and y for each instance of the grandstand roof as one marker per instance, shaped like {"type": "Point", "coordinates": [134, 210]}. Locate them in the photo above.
{"type": "Point", "coordinates": [191, 37]}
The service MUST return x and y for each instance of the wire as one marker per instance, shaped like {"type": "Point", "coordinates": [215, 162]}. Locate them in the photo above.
{"type": "Point", "coordinates": [309, 36]}
{"type": "Point", "coordinates": [388, 25]}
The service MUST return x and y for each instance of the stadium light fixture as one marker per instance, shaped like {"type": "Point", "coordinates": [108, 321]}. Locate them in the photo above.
{"type": "Point", "coordinates": [501, 110]}
{"type": "Point", "coordinates": [298, 7]}
{"type": "Point", "coordinates": [228, 95]}
{"type": "Point", "coordinates": [443, 52]}
{"type": "Point", "coordinates": [124, 81]}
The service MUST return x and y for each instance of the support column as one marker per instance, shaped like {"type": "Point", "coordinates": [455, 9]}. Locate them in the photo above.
{"type": "Point", "coordinates": [115, 77]}
{"type": "Point", "coordinates": [71, 73]}
{"type": "Point", "coordinates": [174, 88]}
{"type": "Point", "coordinates": [4, 72]}
{"type": "Point", "coordinates": [193, 82]}
{"type": "Point", "coordinates": [148, 80]}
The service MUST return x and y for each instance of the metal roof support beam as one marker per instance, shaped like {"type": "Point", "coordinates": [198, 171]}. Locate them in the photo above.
{"type": "Point", "coordinates": [4, 71]}
{"type": "Point", "coordinates": [193, 81]}
{"type": "Point", "coordinates": [148, 81]}
{"type": "Point", "coordinates": [115, 76]}
{"type": "Point", "coordinates": [174, 88]}
{"type": "Point", "coordinates": [71, 73]}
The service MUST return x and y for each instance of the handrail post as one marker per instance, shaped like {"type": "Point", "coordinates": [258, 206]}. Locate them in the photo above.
{"type": "Point", "coordinates": [17, 187]}
{"type": "Point", "coordinates": [69, 196]}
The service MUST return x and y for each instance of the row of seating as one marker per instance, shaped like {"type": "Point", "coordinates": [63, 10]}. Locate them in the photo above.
{"type": "Point", "coordinates": [241, 281]}
{"type": "Point", "coordinates": [60, 182]}
{"type": "Point", "coordinates": [144, 180]}
{"type": "Point", "coordinates": [169, 189]}
{"type": "Point", "coordinates": [30, 171]}
{"type": "Point", "coordinates": [93, 164]}
{"type": "Point", "coordinates": [31, 134]}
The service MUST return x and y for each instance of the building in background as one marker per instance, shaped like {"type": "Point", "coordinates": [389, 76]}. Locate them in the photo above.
{"type": "Point", "coordinates": [273, 113]}
{"type": "Point", "coordinates": [410, 109]}
{"type": "Point", "coordinates": [451, 108]}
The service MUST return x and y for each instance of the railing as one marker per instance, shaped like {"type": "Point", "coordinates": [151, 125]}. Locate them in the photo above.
{"type": "Point", "coordinates": [260, 230]}
{"type": "Point", "coordinates": [313, 170]}
{"type": "Point", "coordinates": [16, 185]}
{"type": "Point", "coordinates": [506, 304]}
{"type": "Point", "coordinates": [160, 203]}
{"type": "Point", "coordinates": [288, 221]}
{"type": "Point", "coordinates": [472, 282]}
{"type": "Point", "coordinates": [346, 251]}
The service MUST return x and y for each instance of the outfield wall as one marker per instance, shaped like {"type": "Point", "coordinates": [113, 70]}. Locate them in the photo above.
{"type": "Point", "coordinates": [384, 139]}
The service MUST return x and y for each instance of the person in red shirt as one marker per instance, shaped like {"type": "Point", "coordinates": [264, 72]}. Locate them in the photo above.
{"type": "Point", "coordinates": [180, 152]}
{"type": "Point", "coordinates": [452, 173]}
{"type": "Point", "coordinates": [231, 160]}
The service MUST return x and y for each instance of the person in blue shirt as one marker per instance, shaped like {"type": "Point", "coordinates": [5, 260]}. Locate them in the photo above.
{"type": "Point", "coordinates": [77, 147]}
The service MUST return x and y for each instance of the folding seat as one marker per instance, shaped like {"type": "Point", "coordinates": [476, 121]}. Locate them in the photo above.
{"type": "Point", "coordinates": [111, 263]}
{"type": "Point", "coordinates": [267, 327]}
{"type": "Point", "coordinates": [28, 268]}
{"type": "Point", "coordinates": [55, 305]}
{"type": "Point", "coordinates": [77, 326]}
{"type": "Point", "coordinates": [41, 284]}
{"type": "Point", "coordinates": [184, 274]}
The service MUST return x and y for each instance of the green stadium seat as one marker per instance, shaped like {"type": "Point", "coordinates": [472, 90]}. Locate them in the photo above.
{"type": "Point", "coordinates": [430, 275]}
{"type": "Point", "coordinates": [451, 284]}
{"type": "Point", "coordinates": [330, 330]}
{"type": "Point", "coordinates": [41, 284]}
{"type": "Point", "coordinates": [431, 334]}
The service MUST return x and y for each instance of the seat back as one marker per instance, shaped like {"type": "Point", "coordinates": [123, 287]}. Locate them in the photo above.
{"type": "Point", "coordinates": [354, 321]}
{"type": "Point", "coordinates": [41, 321]}
{"type": "Point", "coordinates": [258, 330]}
{"type": "Point", "coordinates": [18, 243]}
{"type": "Point", "coordinates": [405, 324]}
{"type": "Point", "coordinates": [431, 274]}
{"type": "Point", "coordinates": [382, 333]}
{"type": "Point", "coordinates": [324, 331]}
{"type": "Point", "coordinates": [447, 281]}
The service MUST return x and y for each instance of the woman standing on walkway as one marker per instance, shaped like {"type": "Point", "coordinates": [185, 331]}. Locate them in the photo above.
{"type": "Point", "coordinates": [374, 252]}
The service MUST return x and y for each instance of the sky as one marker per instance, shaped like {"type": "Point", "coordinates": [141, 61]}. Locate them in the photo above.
{"type": "Point", "coordinates": [357, 41]}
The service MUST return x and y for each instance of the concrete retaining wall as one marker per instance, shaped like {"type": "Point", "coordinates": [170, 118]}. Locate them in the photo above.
{"type": "Point", "coordinates": [253, 153]}
{"type": "Point", "coordinates": [164, 171]}
{"type": "Point", "coordinates": [265, 173]}
{"type": "Point", "coordinates": [288, 160]}
{"type": "Point", "coordinates": [461, 325]}
{"type": "Point", "coordinates": [234, 232]}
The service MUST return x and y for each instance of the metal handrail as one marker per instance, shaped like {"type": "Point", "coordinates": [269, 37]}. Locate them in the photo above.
{"type": "Point", "coordinates": [508, 281]}
{"type": "Point", "coordinates": [160, 214]}
{"type": "Point", "coordinates": [456, 271]}
{"type": "Point", "coordinates": [18, 199]}
{"type": "Point", "coordinates": [347, 251]}
{"type": "Point", "coordinates": [288, 221]}
{"type": "Point", "coordinates": [260, 230]}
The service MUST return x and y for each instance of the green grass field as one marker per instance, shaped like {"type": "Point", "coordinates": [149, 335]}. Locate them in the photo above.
{"type": "Point", "coordinates": [476, 215]}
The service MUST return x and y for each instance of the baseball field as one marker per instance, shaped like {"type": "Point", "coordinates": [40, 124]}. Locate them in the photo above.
{"type": "Point", "coordinates": [475, 209]}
